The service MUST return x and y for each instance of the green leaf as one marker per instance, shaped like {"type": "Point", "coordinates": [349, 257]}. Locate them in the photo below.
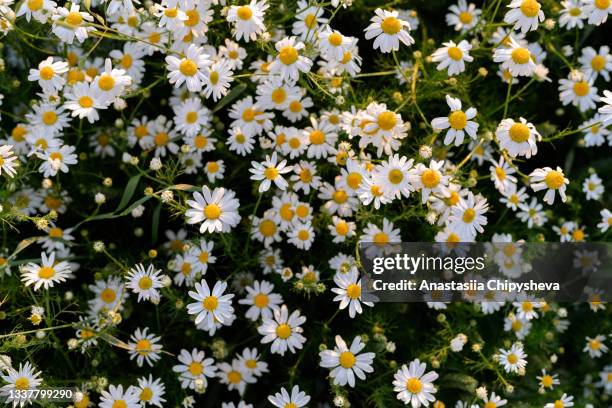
{"type": "Point", "coordinates": [155, 223]}
{"type": "Point", "coordinates": [128, 192]}
{"type": "Point", "coordinates": [460, 381]}
{"type": "Point", "coordinates": [234, 93]}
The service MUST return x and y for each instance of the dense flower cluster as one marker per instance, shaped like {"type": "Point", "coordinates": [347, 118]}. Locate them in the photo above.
{"type": "Point", "coordinates": [268, 139]}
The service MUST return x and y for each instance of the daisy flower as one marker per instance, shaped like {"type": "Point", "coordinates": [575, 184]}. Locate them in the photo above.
{"type": "Point", "coordinates": [210, 306]}
{"type": "Point", "coordinates": [430, 180]}
{"type": "Point", "coordinates": [47, 273]}
{"type": "Point", "coordinates": [301, 235]}
{"type": "Point", "coordinates": [493, 401]}
{"type": "Point", "coordinates": [413, 385]}
{"type": "Point", "coordinates": [550, 180]}
{"type": "Point", "coordinates": [514, 359]}
{"type": "Point", "coordinates": [234, 376]}
{"type": "Point", "coordinates": [49, 75]}
{"type": "Point", "coordinates": [595, 63]}
{"type": "Point", "coordinates": [548, 381]}
{"type": "Point", "coordinates": [606, 220]}
{"type": "Point", "coordinates": [248, 20]}
{"type": "Point", "coordinates": [216, 209]}
{"type": "Point", "coordinates": [116, 397]}
{"type": "Point", "coordinates": [217, 79]}
{"type": "Point", "coordinates": [108, 295]}
{"type": "Point", "coordinates": [289, 63]}
{"type": "Point", "coordinates": [467, 216]}
{"type": "Point", "coordinates": [190, 116]}
{"type": "Point", "coordinates": [572, 15]}
{"type": "Point", "coordinates": [579, 92]}
{"type": "Point", "coordinates": [249, 117]}
{"type": "Point", "coordinates": [8, 161]}
{"type": "Point", "coordinates": [458, 122]}
{"type": "Point", "coordinates": [56, 159]}
{"type": "Point", "coordinates": [501, 175]}
{"type": "Point", "coordinates": [24, 379]}
{"type": "Point", "coordinates": [595, 346]}
{"type": "Point", "coordinates": [150, 391]}
{"type": "Point", "coordinates": [347, 362]}
{"type": "Point", "coordinates": [517, 138]}
{"type": "Point", "coordinates": [593, 187]}
{"type": "Point", "coordinates": [145, 283]}
{"type": "Point", "coordinates": [261, 300]}
{"type": "Point", "coordinates": [251, 363]}
{"type": "Point", "coordinates": [348, 292]}
{"type": "Point", "coordinates": [41, 10]}
{"type": "Point", "coordinates": [309, 18]}
{"type": "Point", "coordinates": [240, 142]}
{"type": "Point", "coordinates": [322, 139]}
{"type": "Point", "coordinates": [463, 16]}
{"type": "Point", "coordinates": [515, 58]}
{"type": "Point", "coordinates": [453, 57]}
{"type": "Point", "coordinates": [143, 347]}
{"type": "Point", "coordinates": [606, 110]}
{"type": "Point", "coordinates": [188, 69]}
{"type": "Point", "coordinates": [393, 177]}
{"type": "Point", "coordinates": [84, 100]}
{"type": "Point", "coordinates": [598, 10]}
{"type": "Point", "coordinates": [333, 45]}
{"type": "Point", "coordinates": [524, 14]}
{"type": "Point", "coordinates": [271, 170]}
{"type": "Point", "coordinates": [194, 366]}
{"type": "Point", "coordinates": [68, 24]}
{"type": "Point", "coordinates": [283, 399]}
{"type": "Point", "coordinates": [388, 30]}
{"type": "Point", "coordinates": [283, 331]}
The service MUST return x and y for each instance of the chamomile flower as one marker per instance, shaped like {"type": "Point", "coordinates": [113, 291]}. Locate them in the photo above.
{"type": "Point", "coordinates": [191, 116]}
{"type": "Point", "coordinates": [347, 362]}
{"type": "Point", "coordinates": [548, 381]}
{"type": "Point", "coordinates": [413, 385]}
{"type": "Point", "coordinates": [394, 177]}
{"type": "Point", "coordinates": [49, 75]}
{"type": "Point", "coordinates": [217, 210]}
{"type": "Point", "coordinates": [194, 366]}
{"type": "Point", "coordinates": [283, 331]}
{"type": "Point", "coordinates": [524, 14]}
{"type": "Point", "coordinates": [579, 92]}
{"type": "Point", "coordinates": [518, 138]}
{"type": "Point", "coordinates": [251, 362]}
{"type": "Point", "coordinates": [248, 19]}
{"type": "Point", "coordinates": [493, 401]}
{"type": "Point", "coordinates": [47, 274]}
{"type": "Point", "coordinates": [595, 346]}
{"type": "Point", "coordinates": [572, 15]}
{"type": "Point", "coordinates": [463, 16]}
{"type": "Point", "coordinates": [453, 57]}
{"type": "Point", "coordinates": [598, 10]}
{"type": "Point", "coordinates": [84, 100]}
{"type": "Point", "coordinates": [595, 63]}
{"type": "Point", "coordinates": [348, 292]}
{"type": "Point", "coordinates": [550, 180]}
{"type": "Point", "coordinates": [22, 379]}
{"type": "Point", "coordinates": [261, 300]}
{"type": "Point", "coordinates": [606, 220]}
{"type": "Point", "coordinates": [8, 161]}
{"type": "Point", "coordinates": [514, 359]}
{"type": "Point", "coordinates": [594, 133]}
{"type": "Point", "coordinates": [301, 235]}
{"type": "Point", "coordinates": [217, 79]}
{"type": "Point", "coordinates": [333, 44]}
{"type": "Point", "coordinates": [458, 122]}
{"type": "Point", "coordinates": [210, 306]}
{"type": "Point", "coordinates": [593, 187]}
{"type": "Point", "coordinates": [606, 110]}
{"type": "Point", "coordinates": [240, 142]}
{"type": "Point", "coordinates": [289, 63]}
{"type": "Point", "coordinates": [283, 399]}
{"type": "Point", "coordinates": [309, 19]}
{"type": "Point", "coordinates": [234, 376]}
{"type": "Point", "coordinates": [57, 159]}
{"type": "Point", "coordinates": [322, 139]}
{"type": "Point", "coordinates": [270, 171]}
{"type": "Point", "coordinates": [145, 282]}
{"type": "Point", "coordinates": [40, 10]}
{"type": "Point", "coordinates": [117, 397]}
{"type": "Point", "coordinates": [189, 69]}
{"type": "Point", "coordinates": [150, 391]}
{"type": "Point", "coordinates": [388, 30]}
{"type": "Point", "coordinates": [108, 295]}
{"type": "Point", "coordinates": [467, 216]}
{"type": "Point", "coordinates": [563, 402]}
{"type": "Point", "coordinates": [71, 24]}
{"type": "Point", "coordinates": [501, 175]}
{"type": "Point", "coordinates": [515, 58]}
{"type": "Point", "coordinates": [144, 347]}
{"type": "Point", "coordinates": [305, 176]}
{"type": "Point", "coordinates": [430, 180]}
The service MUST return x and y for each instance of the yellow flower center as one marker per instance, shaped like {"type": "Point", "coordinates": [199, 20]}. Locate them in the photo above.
{"type": "Point", "coordinates": [252, 364]}
{"type": "Point", "coordinates": [347, 359]}
{"type": "Point", "coordinates": [340, 196]}
{"type": "Point", "coordinates": [200, 141]}
{"type": "Point", "coordinates": [244, 12]}
{"type": "Point", "coordinates": [575, 12]}
{"type": "Point", "coordinates": [516, 325]}
{"type": "Point", "coordinates": [46, 272]}
{"type": "Point", "coordinates": [161, 139]}
{"type": "Point", "coordinates": [56, 156]}
{"type": "Point", "coordinates": [512, 358]}
{"type": "Point", "coordinates": [414, 385]}
{"type": "Point", "coordinates": [49, 118]}
{"type": "Point", "coordinates": [18, 133]}
{"type": "Point", "coordinates": [595, 344]}
{"type": "Point", "coordinates": [310, 20]}
{"type": "Point", "coordinates": [302, 210]}
{"type": "Point", "coordinates": [188, 67]}
{"type": "Point", "coordinates": [335, 39]}
{"type": "Point", "coordinates": [509, 250]}
{"type": "Point", "coordinates": [457, 120]}
{"type": "Point", "coordinates": [248, 115]}
{"type": "Point", "coordinates": [455, 53]}
{"type": "Point", "coordinates": [353, 291]}
{"type": "Point", "coordinates": [283, 331]}
{"type": "Point", "coordinates": [193, 18]}
{"type": "Point", "coordinates": [490, 404]}
{"type": "Point", "coordinates": [83, 403]}
{"type": "Point", "coordinates": [305, 175]}
{"type": "Point", "coordinates": [288, 55]}
{"type": "Point", "coordinates": [469, 215]}
{"type": "Point", "coordinates": [271, 173]}
{"type": "Point", "coordinates": [500, 173]}
{"type": "Point", "coordinates": [86, 101]}
{"type": "Point", "coordinates": [597, 63]}
{"type": "Point", "coordinates": [191, 117]}
{"type": "Point", "coordinates": [46, 73]}
{"type": "Point", "coordinates": [267, 228]}
{"type": "Point", "coordinates": [554, 179]}
{"type": "Point", "coordinates": [212, 211]}
{"type": "Point", "coordinates": [303, 235]}
{"type": "Point", "coordinates": [286, 212]}
{"type": "Point", "coordinates": [354, 180]}
{"type": "Point", "coordinates": [106, 82]}
{"type": "Point", "coordinates": [530, 8]}
{"type": "Point", "coordinates": [154, 37]}
{"type": "Point", "coordinates": [387, 120]}
{"type": "Point", "coordinates": [521, 55]}
{"type": "Point", "coordinates": [578, 235]}
{"type": "Point", "coordinates": [430, 178]}
{"type": "Point", "coordinates": [391, 25]}
{"type": "Point", "coordinates": [171, 12]}
{"type": "Point", "coordinates": [143, 347]}
{"type": "Point", "coordinates": [465, 17]}
{"type": "Point", "coordinates": [146, 394]}
{"type": "Point", "coordinates": [547, 381]}
{"type": "Point", "coordinates": [279, 95]}
{"type": "Point", "coordinates": [196, 368]}
{"type": "Point", "coordinates": [234, 377]}
{"type": "Point", "coordinates": [126, 61]}
{"type": "Point", "coordinates": [261, 300]}
{"type": "Point", "coordinates": [74, 18]}
{"type": "Point", "coordinates": [145, 283]}
{"type": "Point", "coordinates": [295, 106]}
{"type": "Point", "coordinates": [22, 383]}
{"type": "Point", "coordinates": [108, 295]}
{"type": "Point", "coordinates": [317, 137]}
{"type": "Point", "coordinates": [602, 4]}
{"type": "Point", "coordinates": [395, 176]}
{"type": "Point", "coordinates": [35, 5]}
{"type": "Point", "coordinates": [210, 303]}
{"type": "Point", "coordinates": [342, 228]}
{"type": "Point", "coordinates": [581, 88]}
{"type": "Point", "coordinates": [380, 238]}
{"type": "Point", "coordinates": [519, 132]}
